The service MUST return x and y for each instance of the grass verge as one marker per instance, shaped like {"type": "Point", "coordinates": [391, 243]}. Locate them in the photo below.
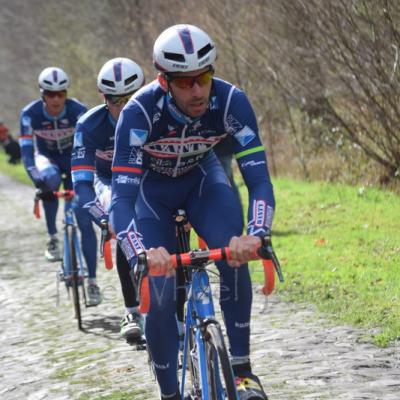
{"type": "Point", "coordinates": [340, 249]}
{"type": "Point", "coordinates": [16, 171]}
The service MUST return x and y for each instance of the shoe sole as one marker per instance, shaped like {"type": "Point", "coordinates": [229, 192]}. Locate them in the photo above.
{"type": "Point", "coordinates": [132, 335]}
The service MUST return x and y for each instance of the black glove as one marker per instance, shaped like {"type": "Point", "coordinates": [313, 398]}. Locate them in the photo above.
{"type": "Point", "coordinates": [43, 193]}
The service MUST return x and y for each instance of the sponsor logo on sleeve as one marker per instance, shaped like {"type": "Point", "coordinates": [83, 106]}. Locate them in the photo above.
{"type": "Point", "coordinates": [137, 137]}
{"type": "Point", "coordinates": [245, 136]}
{"type": "Point", "coordinates": [126, 180]}
{"type": "Point", "coordinates": [78, 142]}
{"type": "Point", "coordinates": [251, 163]}
{"type": "Point", "coordinates": [26, 120]}
{"type": "Point", "coordinates": [136, 157]}
{"type": "Point", "coordinates": [232, 125]}
{"type": "Point", "coordinates": [259, 214]}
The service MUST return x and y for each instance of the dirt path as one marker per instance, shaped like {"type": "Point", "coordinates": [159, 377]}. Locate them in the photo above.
{"type": "Point", "coordinates": [42, 355]}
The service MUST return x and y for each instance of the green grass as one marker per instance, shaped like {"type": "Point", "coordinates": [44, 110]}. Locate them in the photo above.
{"type": "Point", "coordinates": [340, 249]}
{"type": "Point", "coordinates": [15, 171]}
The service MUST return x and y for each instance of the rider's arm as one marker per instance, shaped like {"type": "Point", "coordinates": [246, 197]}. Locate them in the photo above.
{"type": "Point", "coordinates": [131, 134]}
{"type": "Point", "coordinates": [27, 147]}
{"type": "Point", "coordinates": [252, 161]}
{"type": "Point", "coordinates": [82, 168]}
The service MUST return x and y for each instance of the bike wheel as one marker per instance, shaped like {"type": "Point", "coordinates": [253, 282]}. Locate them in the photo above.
{"type": "Point", "coordinates": [221, 383]}
{"type": "Point", "coordinates": [73, 267]}
{"type": "Point", "coordinates": [192, 366]}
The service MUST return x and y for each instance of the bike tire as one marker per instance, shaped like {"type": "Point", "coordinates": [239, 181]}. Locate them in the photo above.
{"type": "Point", "coordinates": [73, 267]}
{"type": "Point", "coordinates": [192, 366]}
{"type": "Point", "coordinates": [217, 362]}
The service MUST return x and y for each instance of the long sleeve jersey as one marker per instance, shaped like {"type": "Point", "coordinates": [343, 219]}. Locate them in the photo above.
{"type": "Point", "coordinates": [153, 134]}
{"type": "Point", "coordinates": [92, 153]}
{"type": "Point", "coordinates": [48, 135]}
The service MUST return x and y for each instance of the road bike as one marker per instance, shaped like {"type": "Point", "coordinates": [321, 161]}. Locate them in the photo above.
{"type": "Point", "coordinates": [73, 271]}
{"type": "Point", "coordinates": [205, 355]}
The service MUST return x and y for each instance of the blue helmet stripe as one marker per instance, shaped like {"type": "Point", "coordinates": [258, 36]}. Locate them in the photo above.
{"type": "Point", "coordinates": [118, 71]}
{"type": "Point", "coordinates": [186, 39]}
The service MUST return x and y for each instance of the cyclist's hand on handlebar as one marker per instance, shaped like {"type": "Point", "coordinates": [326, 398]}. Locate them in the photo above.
{"type": "Point", "coordinates": [159, 262]}
{"type": "Point", "coordinates": [45, 194]}
{"type": "Point", "coordinates": [242, 249]}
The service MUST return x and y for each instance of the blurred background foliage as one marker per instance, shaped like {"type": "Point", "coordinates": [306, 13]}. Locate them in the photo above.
{"type": "Point", "coordinates": [322, 75]}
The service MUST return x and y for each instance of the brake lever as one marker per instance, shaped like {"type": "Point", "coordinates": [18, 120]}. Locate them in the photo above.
{"type": "Point", "coordinates": [139, 272]}
{"type": "Point", "coordinates": [267, 252]}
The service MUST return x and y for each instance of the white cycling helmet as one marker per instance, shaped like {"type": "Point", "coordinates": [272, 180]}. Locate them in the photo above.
{"type": "Point", "coordinates": [183, 48]}
{"type": "Point", "coordinates": [120, 76]}
{"type": "Point", "coordinates": [53, 79]}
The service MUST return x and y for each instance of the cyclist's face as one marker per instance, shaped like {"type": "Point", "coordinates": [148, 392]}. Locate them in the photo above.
{"type": "Point", "coordinates": [55, 101]}
{"type": "Point", "coordinates": [193, 101]}
{"type": "Point", "coordinates": [115, 109]}
{"type": "Point", "coordinates": [115, 104]}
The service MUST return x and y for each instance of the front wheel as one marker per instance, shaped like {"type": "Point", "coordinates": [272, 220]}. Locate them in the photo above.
{"type": "Point", "coordinates": [73, 268]}
{"type": "Point", "coordinates": [221, 380]}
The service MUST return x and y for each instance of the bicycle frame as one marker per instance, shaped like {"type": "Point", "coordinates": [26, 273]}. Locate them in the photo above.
{"type": "Point", "coordinates": [204, 350]}
{"type": "Point", "coordinates": [199, 313]}
{"type": "Point", "coordinates": [69, 220]}
{"type": "Point", "coordinates": [72, 266]}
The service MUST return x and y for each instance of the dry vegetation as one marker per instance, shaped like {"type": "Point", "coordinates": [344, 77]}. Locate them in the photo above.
{"type": "Point", "coordinates": [323, 75]}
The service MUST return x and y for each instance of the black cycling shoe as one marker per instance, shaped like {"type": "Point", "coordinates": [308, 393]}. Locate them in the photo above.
{"type": "Point", "coordinates": [248, 385]}
{"type": "Point", "coordinates": [249, 388]}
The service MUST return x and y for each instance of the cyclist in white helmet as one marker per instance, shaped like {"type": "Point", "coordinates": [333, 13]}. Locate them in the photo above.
{"type": "Point", "coordinates": [46, 138]}
{"type": "Point", "coordinates": [92, 154]}
{"type": "Point", "coordinates": [164, 160]}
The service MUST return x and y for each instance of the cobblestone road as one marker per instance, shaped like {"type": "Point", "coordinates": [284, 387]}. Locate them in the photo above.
{"type": "Point", "coordinates": [298, 354]}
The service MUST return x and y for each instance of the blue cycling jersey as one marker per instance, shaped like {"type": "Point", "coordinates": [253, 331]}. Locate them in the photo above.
{"type": "Point", "coordinates": [163, 161]}
{"type": "Point", "coordinates": [48, 135]}
{"type": "Point", "coordinates": [92, 152]}
{"type": "Point", "coordinates": [153, 134]}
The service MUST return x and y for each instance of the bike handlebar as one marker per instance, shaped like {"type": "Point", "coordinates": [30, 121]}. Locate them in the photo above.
{"type": "Point", "coordinates": [66, 194]}
{"type": "Point", "coordinates": [199, 257]}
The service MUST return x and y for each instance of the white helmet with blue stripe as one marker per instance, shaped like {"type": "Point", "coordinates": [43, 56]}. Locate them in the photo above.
{"type": "Point", "coordinates": [53, 79]}
{"type": "Point", "coordinates": [120, 76]}
{"type": "Point", "coordinates": [183, 48]}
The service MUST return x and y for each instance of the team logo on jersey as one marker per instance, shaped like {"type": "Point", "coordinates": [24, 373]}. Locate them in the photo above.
{"type": "Point", "coordinates": [245, 136]}
{"type": "Point", "coordinates": [136, 157]}
{"type": "Point", "coordinates": [26, 120]}
{"type": "Point", "coordinates": [188, 146]}
{"type": "Point", "coordinates": [232, 125]}
{"type": "Point", "coordinates": [137, 137]}
{"type": "Point", "coordinates": [78, 142]}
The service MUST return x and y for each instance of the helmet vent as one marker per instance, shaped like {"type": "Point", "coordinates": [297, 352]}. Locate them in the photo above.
{"type": "Point", "coordinates": [131, 79]}
{"type": "Point", "coordinates": [204, 50]}
{"type": "Point", "coordinates": [62, 82]}
{"type": "Point", "coordinates": [108, 83]}
{"type": "Point", "coordinates": [174, 57]}
{"type": "Point", "coordinates": [48, 82]}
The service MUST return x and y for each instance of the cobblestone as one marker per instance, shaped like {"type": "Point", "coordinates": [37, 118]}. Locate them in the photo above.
{"type": "Point", "coordinates": [297, 353]}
